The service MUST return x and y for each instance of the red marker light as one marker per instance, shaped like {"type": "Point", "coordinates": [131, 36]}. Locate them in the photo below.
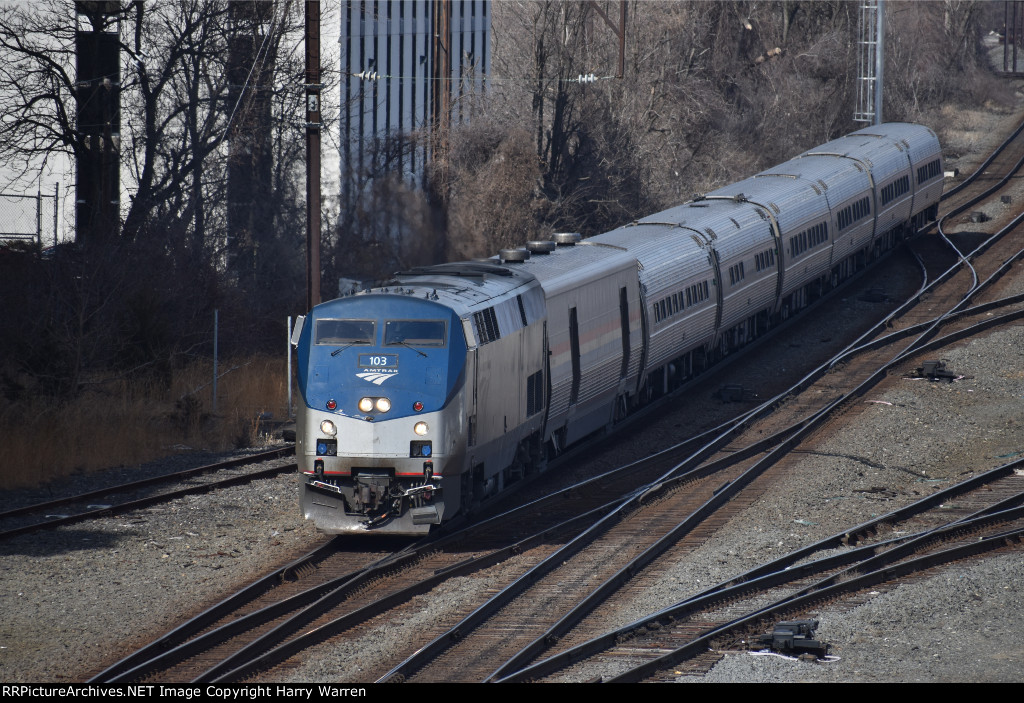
{"type": "Point", "coordinates": [331, 405]}
{"type": "Point", "coordinates": [417, 406]}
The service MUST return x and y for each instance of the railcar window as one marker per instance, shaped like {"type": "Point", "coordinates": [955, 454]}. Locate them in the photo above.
{"type": "Point", "coordinates": [345, 331]}
{"type": "Point", "coordinates": [624, 329]}
{"type": "Point", "coordinates": [765, 259]}
{"type": "Point", "coordinates": [677, 302]}
{"type": "Point", "coordinates": [895, 189]}
{"type": "Point", "coordinates": [851, 213]}
{"type": "Point", "coordinates": [574, 349]}
{"type": "Point", "coordinates": [697, 293]}
{"type": "Point", "coordinates": [422, 333]}
{"type": "Point", "coordinates": [929, 171]}
{"type": "Point", "coordinates": [736, 273]}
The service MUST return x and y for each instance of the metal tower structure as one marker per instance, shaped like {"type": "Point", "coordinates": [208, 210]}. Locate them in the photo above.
{"type": "Point", "coordinates": [870, 61]}
{"type": "Point", "coordinates": [250, 72]}
{"type": "Point", "coordinates": [98, 92]}
{"type": "Point", "coordinates": [1013, 31]}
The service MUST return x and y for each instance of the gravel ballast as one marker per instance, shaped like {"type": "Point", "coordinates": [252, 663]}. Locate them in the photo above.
{"type": "Point", "coordinates": [76, 599]}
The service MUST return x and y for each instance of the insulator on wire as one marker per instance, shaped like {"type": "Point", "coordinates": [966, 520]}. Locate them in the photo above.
{"type": "Point", "coordinates": [589, 78]}
{"type": "Point", "coordinates": [368, 75]}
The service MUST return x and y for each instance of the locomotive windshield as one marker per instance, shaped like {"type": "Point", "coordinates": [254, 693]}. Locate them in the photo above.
{"type": "Point", "coordinates": [346, 331]}
{"type": "Point", "coordinates": [423, 333]}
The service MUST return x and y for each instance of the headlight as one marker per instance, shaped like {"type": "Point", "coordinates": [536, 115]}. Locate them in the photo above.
{"type": "Point", "coordinates": [383, 405]}
{"type": "Point", "coordinates": [366, 404]}
{"type": "Point", "coordinates": [328, 428]}
{"type": "Point", "coordinates": [420, 428]}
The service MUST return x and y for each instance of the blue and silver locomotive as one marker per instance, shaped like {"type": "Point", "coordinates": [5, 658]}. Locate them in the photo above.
{"type": "Point", "coordinates": [410, 398]}
{"type": "Point", "coordinates": [441, 387]}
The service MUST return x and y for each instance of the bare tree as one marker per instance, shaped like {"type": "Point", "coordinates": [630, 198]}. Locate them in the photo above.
{"type": "Point", "coordinates": [712, 92]}
{"type": "Point", "coordinates": [145, 295]}
{"type": "Point", "coordinates": [37, 84]}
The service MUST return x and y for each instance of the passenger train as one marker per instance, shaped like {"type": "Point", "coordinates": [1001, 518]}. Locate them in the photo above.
{"type": "Point", "coordinates": [449, 382]}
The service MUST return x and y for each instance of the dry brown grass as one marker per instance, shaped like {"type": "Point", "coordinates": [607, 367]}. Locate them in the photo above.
{"type": "Point", "coordinates": [130, 422]}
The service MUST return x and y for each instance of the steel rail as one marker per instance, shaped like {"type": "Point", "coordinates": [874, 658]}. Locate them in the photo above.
{"type": "Point", "coordinates": [126, 506]}
{"type": "Point", "coordinates": [796, 604]}
{"type": "Point", "coordinates": [776, 572]}
{"type": "Point", "coordinates": [114, 673]}
{"type": "Point", "coordinates": [598, 595]}
{"type": "Point", "coordinates": [133, 485]}
{"type": "Point", "coordinates": [266, 652]}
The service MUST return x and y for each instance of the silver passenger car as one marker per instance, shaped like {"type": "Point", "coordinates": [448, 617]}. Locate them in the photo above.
{"type": "Point", "coordinates": [594, 333]}
{"type": "Point", "coordinates": [799, 214]}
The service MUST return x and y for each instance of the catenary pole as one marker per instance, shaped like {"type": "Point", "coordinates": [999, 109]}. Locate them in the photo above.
{"type": "Point", "coordinates": [312, 153]}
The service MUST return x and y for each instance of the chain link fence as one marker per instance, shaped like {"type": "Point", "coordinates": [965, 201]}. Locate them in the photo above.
{"type": "Point", "coordinates": [29, 217]}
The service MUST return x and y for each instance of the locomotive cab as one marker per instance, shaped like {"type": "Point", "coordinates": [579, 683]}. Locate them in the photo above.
{"type": "Point", "coordinates": [378, 439]}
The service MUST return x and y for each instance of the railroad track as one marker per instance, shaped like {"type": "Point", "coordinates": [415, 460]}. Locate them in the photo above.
{"type": "Point", "coordinates": [335, 624]}
{"type": "Point", "coordinates": [799, 419]}
{"type": "Point", "coordinates": [518, 637]}
{"type": "Point", "coordinates": [986, 505]}
{"type": "Point", "coordinates": [254, 620]}
{"type": "Point", "coordinates": [138, 494]}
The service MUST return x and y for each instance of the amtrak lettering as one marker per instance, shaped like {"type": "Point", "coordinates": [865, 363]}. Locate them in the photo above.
{"type": "Point", "coordinates": [377, 376]}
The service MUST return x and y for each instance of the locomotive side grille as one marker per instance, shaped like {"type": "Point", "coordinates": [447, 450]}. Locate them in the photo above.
{"type": "Point", "coordinates": [534, 393]}
{"type": "Point", "coordinates": [486, 326]}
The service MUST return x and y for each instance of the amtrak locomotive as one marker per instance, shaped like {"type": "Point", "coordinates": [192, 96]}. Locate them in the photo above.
{"type": "Point", "coordinates": [449, 382]}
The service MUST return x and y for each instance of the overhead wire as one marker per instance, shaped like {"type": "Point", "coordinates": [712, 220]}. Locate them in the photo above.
{"type": "Point", "coordinates": [368, 75]}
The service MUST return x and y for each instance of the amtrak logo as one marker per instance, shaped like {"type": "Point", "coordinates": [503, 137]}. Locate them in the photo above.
{"type": "Point", "coordinates": [376, 377]}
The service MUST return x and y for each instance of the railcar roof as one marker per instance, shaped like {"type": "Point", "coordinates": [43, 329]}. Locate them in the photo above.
{"type": "Point", "coordinates": [878, 141]}
{"type": "Point", "coordinates": [822, 169]}
{"type": "Point", "coordinates": [569, 266]}
{"type": "Point", "coordinates": [461, 285]}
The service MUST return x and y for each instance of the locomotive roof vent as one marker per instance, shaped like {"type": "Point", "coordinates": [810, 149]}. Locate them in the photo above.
{"type": "Point", "coordinates": [540, 247]}
{"type": "Point", "coordinates": [514, 255]}
{"type": "Point", "coordinates": [566, 239]}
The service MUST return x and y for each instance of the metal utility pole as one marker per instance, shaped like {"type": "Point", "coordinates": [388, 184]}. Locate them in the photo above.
{"type": "Point", "coordinates": [441, 85]}
{"type": "Point", "coordinates": [879, 61]}
{"type": "Point", "coordinates": [312, 153]}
